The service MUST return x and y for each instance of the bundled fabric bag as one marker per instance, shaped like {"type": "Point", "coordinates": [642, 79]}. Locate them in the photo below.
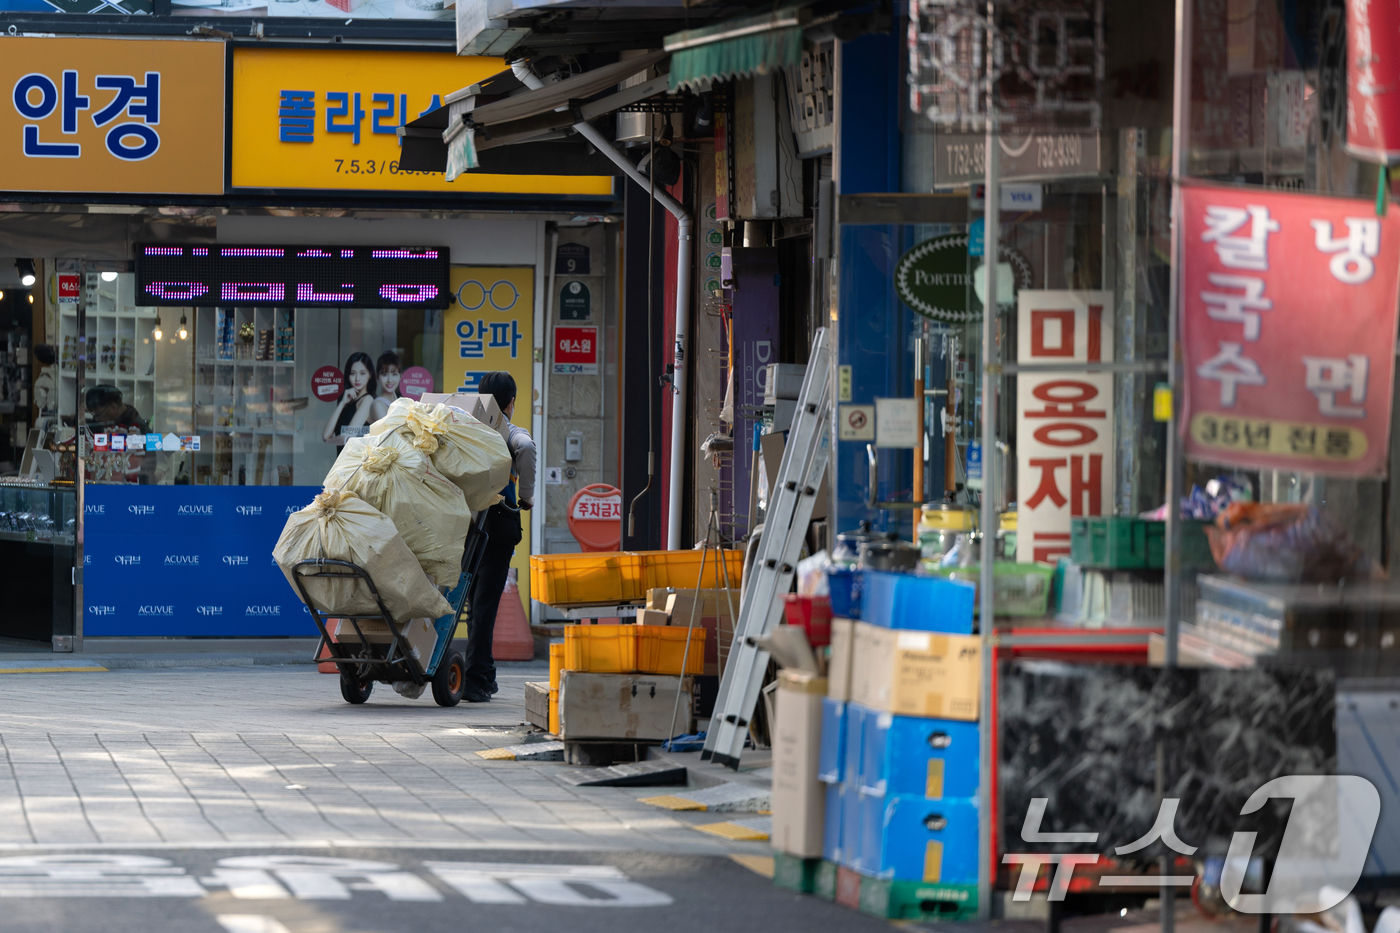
{"type": "Point", "coordinates": [1286, 543]}
{"type": "Point", "coordinates": [429, 512]}
{"type": "Point", "coordinates": [341, 526]}
{"type": "Point", "coordinates": [470, 454]}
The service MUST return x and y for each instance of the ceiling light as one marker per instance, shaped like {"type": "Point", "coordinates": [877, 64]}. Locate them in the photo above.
{"type": "Point", "coordinates": [109, 276]}
{"type": "Point", "coordinates": [184, 331]}
{"type": "Point", "coordinates": [26, 271]}
{"type": "Point", "coordinates": [156, 333]}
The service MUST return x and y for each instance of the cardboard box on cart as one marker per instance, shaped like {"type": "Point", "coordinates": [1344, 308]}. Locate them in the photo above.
{"type": "Point", "coordinates": [481, 407]}
{"type": "Point", "coordinates": [418, 633]}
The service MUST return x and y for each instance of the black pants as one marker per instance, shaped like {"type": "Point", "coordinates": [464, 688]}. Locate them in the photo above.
{"type": "Point", "coordinates": [503, 525]}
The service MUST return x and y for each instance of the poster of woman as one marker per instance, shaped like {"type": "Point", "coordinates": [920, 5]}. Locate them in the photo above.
{"type": "Point", "coordinates": [352, 414]}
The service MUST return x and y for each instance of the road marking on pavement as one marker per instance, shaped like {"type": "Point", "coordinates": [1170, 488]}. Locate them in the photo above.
{"type": "Point", "coordinates": [320, 878]}
{"type": "Point", "coordinates": [93, 668]}
{"type": "Point", "coordinates": [531, 751]}
{"type": "Point", "coordinates": [557, 885]}
{"type": "Point", "coordinates": [758, 864]}
{"type": "Point", "coordinates": [757, 829]}
{"type": "Point", "coordinates": [250, 923]}
{"type": "Point", "coordinates": [730, 797]}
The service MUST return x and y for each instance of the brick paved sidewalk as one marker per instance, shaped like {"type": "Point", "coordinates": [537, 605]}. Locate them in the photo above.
{"type": "Point", "coordinates": [275, 756]}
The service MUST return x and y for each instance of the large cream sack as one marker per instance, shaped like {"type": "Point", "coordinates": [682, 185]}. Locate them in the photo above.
{"type": "Point", "coordinates": [429, 512]}
{"type": "Point", "coordinates": [467, 452]}
{"type": "Point", "coordinates": [342, 526]}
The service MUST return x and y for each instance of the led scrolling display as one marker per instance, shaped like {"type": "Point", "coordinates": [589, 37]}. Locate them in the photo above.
{"type": "Point", "coordinates": [304, 276]}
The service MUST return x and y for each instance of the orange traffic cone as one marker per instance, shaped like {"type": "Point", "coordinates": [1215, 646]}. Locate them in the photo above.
{"type": "Point", "coordinates": [512, 640]}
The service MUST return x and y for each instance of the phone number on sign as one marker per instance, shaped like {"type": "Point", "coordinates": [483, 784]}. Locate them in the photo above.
{"type": "Point", "coordinates": [373, 167]}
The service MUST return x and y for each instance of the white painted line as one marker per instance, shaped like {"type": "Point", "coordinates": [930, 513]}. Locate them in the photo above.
{"type": "Point", "coordinates": [250, 923]}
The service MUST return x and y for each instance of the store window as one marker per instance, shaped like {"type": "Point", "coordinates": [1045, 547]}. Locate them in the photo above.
{"type": "Point", "coordinates": [240, 396]}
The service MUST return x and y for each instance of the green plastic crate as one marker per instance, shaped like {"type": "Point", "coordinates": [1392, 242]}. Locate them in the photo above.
{"type": "Point", "coordinates": [824, 881]}
{"type": "Point", "coordinates": [917, 900]}
{"type": "Point", "coordinates": [1079, 541]}
{"type": "Point", "coordinates": [795, 874]}
{"type": "Point", "coordinates": [1019, 589]}
{"type": "Point", "coordinates": [1195, 546]}
{"type": "Point", "coordinates": [1156, 537]}
{"type": "Point", "coordinates": [1109, 542]}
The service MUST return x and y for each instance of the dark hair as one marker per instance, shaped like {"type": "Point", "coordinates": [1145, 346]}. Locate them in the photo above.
{"type": "Point", "coordinates": [44, 354]}
{"type": "Point", "coordinates": [102, 396]}
{"type": "Point", "coordinates": [499, 385]}
{"type": "Point", "coordinates": [372, 388]}
{"type": "Point", "coordinates": [390, 358]}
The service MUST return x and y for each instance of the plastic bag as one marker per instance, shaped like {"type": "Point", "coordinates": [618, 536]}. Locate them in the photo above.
{"type": "Point", "coordinates": [429, 512]}
{"type": "Point", "coordinates": [1286, 543]}
{"type": "Point", "coordinates": [470, 454]}
{"type": "Point", "coordinates": [342, 526]}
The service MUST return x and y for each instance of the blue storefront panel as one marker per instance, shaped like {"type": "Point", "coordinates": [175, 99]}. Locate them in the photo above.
{"type": "Point", "coordinates": [189, 561]}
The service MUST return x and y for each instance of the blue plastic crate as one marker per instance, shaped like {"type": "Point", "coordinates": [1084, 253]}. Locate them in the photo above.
{"type": "Point", "coordinates": [850, 825]}
{"type": "Point", "coordinates": [844, 587]}
{"type": "Point", "coordinates": [930, 758]}
{"type": "Point", "coordinates": [908, 601]}
{"type": "Point", "coordinates": [831, 760]}
{"type": "Point", "coordinates": [909, 838]}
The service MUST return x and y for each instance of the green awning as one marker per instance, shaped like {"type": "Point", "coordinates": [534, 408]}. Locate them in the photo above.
{"type": "Point", "coordinates": [737, 49]}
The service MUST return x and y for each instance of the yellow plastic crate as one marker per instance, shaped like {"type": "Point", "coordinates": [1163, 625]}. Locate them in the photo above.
{"type": "Point", "coordinates": [579, 579]}
{"type": "Point", "coordinates": [681, 569]}
{"type": "Point", "coordinates": [602, 649]}
{"type": "Point", "coordinates": [660, 649]}
{"type": "Point", "coordinates": [556, 664]}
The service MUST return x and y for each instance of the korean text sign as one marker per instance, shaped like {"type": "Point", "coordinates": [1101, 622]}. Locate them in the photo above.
{"type": "Point", "coordinates": [490, 326]}
{"type": "Point", "coordinates": [113, 115]}
{"type": "Point", "coordinates": [1064, 421]}
{"type": "Point", "coordinates": [329, 119]}
{"type": "Point", "coordinates": [1288, 329]}
{"type": "Point", "coordinates": [575, 351]}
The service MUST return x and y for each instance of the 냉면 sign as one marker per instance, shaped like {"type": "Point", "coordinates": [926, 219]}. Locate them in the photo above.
{"type": "Point", "coordinates": [1288, 327]}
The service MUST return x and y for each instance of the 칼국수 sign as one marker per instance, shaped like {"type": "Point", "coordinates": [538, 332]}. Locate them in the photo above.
{"type": "Point", "coordinates": [1288, 325]}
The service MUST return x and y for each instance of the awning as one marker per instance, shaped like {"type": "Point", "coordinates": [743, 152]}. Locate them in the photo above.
{"type": "Point", "coordinates": [574, 88]}
{"type": "Point", "coordinates": [736, 49]}
{"type": "Point", "coordinates": [453, 137]}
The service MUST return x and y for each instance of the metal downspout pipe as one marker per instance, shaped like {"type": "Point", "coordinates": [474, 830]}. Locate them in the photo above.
{"type": "Point", "coordinates": [527, 76]}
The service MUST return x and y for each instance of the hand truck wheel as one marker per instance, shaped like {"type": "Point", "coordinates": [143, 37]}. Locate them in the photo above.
{"type": "Point", "coordinates": [450, 679]}
{"type": "Point", "coordinates": [353, 689]}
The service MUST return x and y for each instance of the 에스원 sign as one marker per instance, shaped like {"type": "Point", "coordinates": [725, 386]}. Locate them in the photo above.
{"type": "Point", "coordinates": [575, 351]}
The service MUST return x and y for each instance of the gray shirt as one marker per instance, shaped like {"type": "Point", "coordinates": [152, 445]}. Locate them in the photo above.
{"type": "Point", "coordinates": [522, 455]}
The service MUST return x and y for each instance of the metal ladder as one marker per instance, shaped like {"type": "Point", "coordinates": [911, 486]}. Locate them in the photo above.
{"type": "Point", "coordinates": [785, 527]}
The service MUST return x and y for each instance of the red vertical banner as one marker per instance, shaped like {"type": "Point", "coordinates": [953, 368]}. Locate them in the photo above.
{"type": "Point", "coordinates": [1064, 421]}
{"type": "Point", "coordinates": [1288, 330]}
{"type": "Point", "coordinates": [1373, 81]}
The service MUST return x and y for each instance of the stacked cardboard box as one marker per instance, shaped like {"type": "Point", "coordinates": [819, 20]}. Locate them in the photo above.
{"type": "Point", "coordinates": [899, 749]}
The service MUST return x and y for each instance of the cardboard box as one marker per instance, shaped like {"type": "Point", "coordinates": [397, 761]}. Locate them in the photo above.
{"type": "Point", "coordinates": [418, 633]}
{"type": "Point", "coordinates": [772, 447]}
{"type": "Point", "coordinates": [481, 407]}
{"type": "Point", "coordinates": [916, 673]}
{"type": "Point", "coordinates": [537, 704]}
{"type": "Point", "coordinates": [622, 707]}
{"type": "Point", "coordinates": [652, 617]}
{"type": "Point", "coordinates": [799, 799]}
{"type": "Point", "coordinates": [710, 609]}
{"type": "Point", "coordinates": [838, 668]}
